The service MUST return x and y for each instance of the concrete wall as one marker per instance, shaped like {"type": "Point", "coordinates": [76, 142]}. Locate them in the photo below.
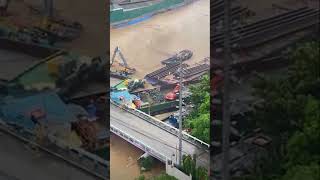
{"type": "Point", "coordinates": [173, 171]}
{"type": "Point", "coordinates": [119, 14]}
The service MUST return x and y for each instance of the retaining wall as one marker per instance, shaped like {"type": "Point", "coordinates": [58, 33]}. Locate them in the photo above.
{"type": "Point", "coordinates": [119, 14]}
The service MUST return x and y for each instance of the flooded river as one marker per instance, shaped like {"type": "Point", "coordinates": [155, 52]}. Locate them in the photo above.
{"type": "Point", "coordinates": [91, 14]}
{"type": "Point", "coordinates": [123, 160]}
{"type": "Point", "coordinates": [145, 44]}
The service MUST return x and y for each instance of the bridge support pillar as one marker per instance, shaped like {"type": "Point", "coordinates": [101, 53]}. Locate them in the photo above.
{"type": "Point", "coordinates": [145, 155]}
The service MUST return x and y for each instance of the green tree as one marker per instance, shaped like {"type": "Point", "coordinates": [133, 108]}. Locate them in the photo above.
{"type": "Point", "coordinates": [164, 177]}
{"type": "Point", "coordinates": [200, 126]}
{"type": "Point", "coordinates": [200, 90]}
{"type": "Point", "coordinates": [146, 163]}
{"type": "Point", "coordinates": [199, 119]}
{"type": "Point", "coordinates": [141, 177]}
{"type": "Point", "coordinates": [290, 113]}
{"type": "Point", "coordinates": [189, 167]}
{"type": "Point", "coordinates": [281, 112]}
{"type": "Point", "coordinates": [201, 174]}
{"type": "Point", "coordinates": [303, 172]}
{"type": "Point", "coordinates": [303, 147]}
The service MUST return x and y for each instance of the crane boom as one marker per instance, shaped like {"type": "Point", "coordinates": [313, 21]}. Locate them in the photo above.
{"type": "Point", "coordinates": [117, 50]}
{"type": "Point", "coordinates": [122, 57]}
{"type": "Point", "coordinates": [114, 55]}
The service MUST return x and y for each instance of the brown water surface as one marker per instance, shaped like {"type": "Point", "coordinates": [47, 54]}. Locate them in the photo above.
{"type": "Point", "coordinates": [123, 160]}
{"type": "Point", "coordinates": [145, 44]}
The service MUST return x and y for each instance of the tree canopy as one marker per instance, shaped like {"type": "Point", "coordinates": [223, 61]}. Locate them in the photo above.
{"type": "Point", "coordinates": [199, 119]}
{"type": "Point", "coordinates": [162, 176]}
{"type": "Point", "coordinates": [189, 167]}
{"type": "Point", "coordinates": [290, 113]}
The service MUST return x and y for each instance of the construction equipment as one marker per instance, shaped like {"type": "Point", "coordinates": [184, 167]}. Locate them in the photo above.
{"type": "Point", "coordinates": [135, 84]}
{"type": "Point", "coordinates": [59, 29]}
{"type": "Point", "coordinates": [117, 69]}
{"type": "Point", "coordinates": [172, 95]}
{"type": "Point", "coordinates": [61, 66]}
{"type": "Point", "coordinates": [44, 29]}
{"type": "Point", "coordinates": [20, 32]}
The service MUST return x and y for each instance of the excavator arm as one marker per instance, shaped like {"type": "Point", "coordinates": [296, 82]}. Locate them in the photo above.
{"type": "Point", "coordinates": [122, 58]}
{"type": "Point", "coordinates": [117, 50]}
{"type": "Point", "coordinates": [114, 55]}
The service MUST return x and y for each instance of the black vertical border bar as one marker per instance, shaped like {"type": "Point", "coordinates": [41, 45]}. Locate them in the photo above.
{"type": "Point", "coordinates": [107, 74]}
{"type": "Point", "coordinates": [211, 93]}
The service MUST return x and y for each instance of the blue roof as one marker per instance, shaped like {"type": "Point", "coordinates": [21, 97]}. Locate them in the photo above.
{"type": "Point", "coordinates": [115, 96]}
{"type": "Point", "coordinates": [17, 110]}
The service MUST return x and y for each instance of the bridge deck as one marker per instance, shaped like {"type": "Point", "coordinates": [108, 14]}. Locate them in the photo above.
{"type": "Point", "coordinates": [156, 138]}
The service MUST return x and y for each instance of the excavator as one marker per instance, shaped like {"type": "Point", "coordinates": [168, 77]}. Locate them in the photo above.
{"type": "Point", "coordinates": [58, 28]}
{"type": "Point", "coordinates": [120, 70]}
{"type": "Point", "coordinates": [47, 30]}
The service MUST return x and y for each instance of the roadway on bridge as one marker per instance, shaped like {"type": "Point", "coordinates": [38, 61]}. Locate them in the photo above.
{"type": "Point", "coordinates": [158, 139]}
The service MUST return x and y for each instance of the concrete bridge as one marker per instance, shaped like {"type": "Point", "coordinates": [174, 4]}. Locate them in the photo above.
{"type": "Point", "coordinates": [155, 137]}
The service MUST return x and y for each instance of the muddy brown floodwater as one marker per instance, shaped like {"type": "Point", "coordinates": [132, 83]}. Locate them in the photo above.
{"type": "Point", "coordinates": [145, 44]}
{"type": "Point", "coordinates": [123, 160]}
{"type": "Point", "coordinates": [91, 14]}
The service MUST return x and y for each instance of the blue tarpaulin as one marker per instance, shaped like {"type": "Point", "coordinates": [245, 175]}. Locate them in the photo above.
{"type": "Point", "coordinates": [18, 110]}
{"type": "Point", "coordinates": [115, 96]}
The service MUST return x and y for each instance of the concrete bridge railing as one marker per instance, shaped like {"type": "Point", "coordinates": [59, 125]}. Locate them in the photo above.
{"type": "Point", "coordinates": [166, 127]}
{"type": "Point", "coordinates": [95, 166]}
{"type": "Point", "coordinates": [138, 144]}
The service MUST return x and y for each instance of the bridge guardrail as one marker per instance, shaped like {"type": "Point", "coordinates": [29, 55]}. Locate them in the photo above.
{"type": "Point", "coordinates": [163, 125]}
{"type": "Point", "coordinates": [96, 159]}
{"type": "Point", "coordinates": [93, 157]}
{"type": "Point", "coordinates": [62, 152]}
{"type": "Point", "coordinates": [138, 144]}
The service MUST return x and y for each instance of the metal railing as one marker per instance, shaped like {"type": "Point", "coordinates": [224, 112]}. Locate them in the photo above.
{"type": "Point", "coordinates": [187, 137]}
{"type": "Point", "coordinates": [73, 156]}
{"type": "Point", "coordinates": [138, 144]}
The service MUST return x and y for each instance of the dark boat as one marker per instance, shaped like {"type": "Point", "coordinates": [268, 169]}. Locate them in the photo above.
{"type": "Point", "coordinates": [181, 56]}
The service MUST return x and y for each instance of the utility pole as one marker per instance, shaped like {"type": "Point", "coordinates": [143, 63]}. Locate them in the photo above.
{"type": "Point", "coordinates": [48, 11]}
{"type": "Point", "coordinates": [48, 6]}
{"type": "Point", "coordinates": [226, 84]}
{"type": "Point", "coordinates": [180, 114]}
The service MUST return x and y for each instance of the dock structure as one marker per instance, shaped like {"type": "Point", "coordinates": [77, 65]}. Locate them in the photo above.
{"type": "Point", "coordinates": [32, 100]}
